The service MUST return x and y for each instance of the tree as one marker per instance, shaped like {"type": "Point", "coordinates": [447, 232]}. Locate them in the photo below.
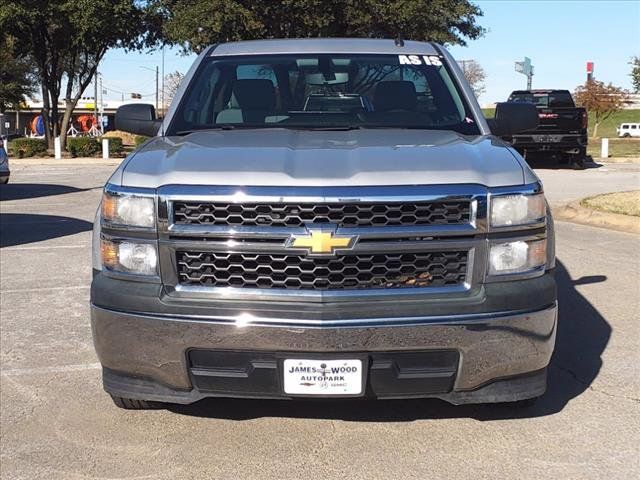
{"type": "Point", "coordinates": [475, 75]}
{"type": "Point", "coordinates": [171, 84]}
{"type": "Point", "coordinates": [635, 74]}
{"type": "Point", "coordinates": [601, 100]}
{"type": "Point", "coordinates": [194, 24]}
{"type": "Point", "coordinates": [16, 78]}
{"type": "Point", "coordinates": [66, 39]}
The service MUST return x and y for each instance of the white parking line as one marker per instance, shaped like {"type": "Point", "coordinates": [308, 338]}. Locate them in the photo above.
{"type": "Point", "coordinates": [46, 289]}
{"type": "Point", "coordinates": [82, 245]}
{"type": "Point", "coordinates": [41, 370]}
{"type": "Point", "coordinates": [26, 203]}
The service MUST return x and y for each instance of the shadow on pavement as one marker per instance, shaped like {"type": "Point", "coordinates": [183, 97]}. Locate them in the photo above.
{"type": "Point", "coordinates": [582, 336]}
{"type": "Point", "coordinates": [20, 228]}
{"type": "Point", "coordinates": [552, 163]}
{"type": "Point", "coordinates": [22, 191]}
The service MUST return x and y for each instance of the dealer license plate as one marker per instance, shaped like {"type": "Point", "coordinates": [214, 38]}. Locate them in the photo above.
{"type": "Point", "coordinates": [547, 138]}
{"type": "Point", "coordinates": [322, 377]}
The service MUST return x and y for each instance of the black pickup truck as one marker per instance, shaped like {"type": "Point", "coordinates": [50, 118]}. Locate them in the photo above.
{"type": "Point", "coordinates": [562, 131]}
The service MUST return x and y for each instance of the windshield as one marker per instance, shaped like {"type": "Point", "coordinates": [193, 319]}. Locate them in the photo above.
{"type": "Point", "coordinates": [323, 92]}
{"type": "Point", "coordinates": [543, 99]}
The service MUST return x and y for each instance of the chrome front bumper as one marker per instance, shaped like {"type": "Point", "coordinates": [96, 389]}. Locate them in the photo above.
{"type": "Point", "coordinates": [491, 346]}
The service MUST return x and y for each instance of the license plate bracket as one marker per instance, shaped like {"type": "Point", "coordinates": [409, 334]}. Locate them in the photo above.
{"type": "Point", "coordinates": [310, 376]}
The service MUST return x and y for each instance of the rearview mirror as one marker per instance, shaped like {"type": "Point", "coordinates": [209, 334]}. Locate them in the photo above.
{"type": "Point", "coordinates": [511, 118]}
{"type": "Point", "coordinates": [137, 118]}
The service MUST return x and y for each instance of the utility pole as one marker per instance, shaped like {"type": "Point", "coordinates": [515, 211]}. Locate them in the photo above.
{"type": "Point", "coordinates": [163, 107]}
{"type": "Point", "coordinates": [101, 106]}
{"type": "Point", "coordinates": [157, 73]}
{"type": "Point", "coordinates": [95, 98]}
{"type": "Point", "coordinates": [463, 64]}
{"type": "Point", "coordinates": [157, 70]}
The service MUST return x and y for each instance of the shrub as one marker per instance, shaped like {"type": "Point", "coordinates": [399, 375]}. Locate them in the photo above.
{"type": "Point", "coordinates": [127, 138]}
{"type": "Point", "coordinates": [116, 146]}
{"type": "Point", "coordinates": [140, 139]}
{"type": "Point", "coordinates": [27, 147]}
{"type": "Point", "coordinates": [83, 146]}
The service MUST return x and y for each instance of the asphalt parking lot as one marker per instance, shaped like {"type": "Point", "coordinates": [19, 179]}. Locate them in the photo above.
{"type": "Point", "coordinates": [57, 423]}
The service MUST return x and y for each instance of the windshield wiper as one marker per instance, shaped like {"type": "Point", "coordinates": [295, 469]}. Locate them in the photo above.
{"type": "Point", "coordinates": [208, 129]}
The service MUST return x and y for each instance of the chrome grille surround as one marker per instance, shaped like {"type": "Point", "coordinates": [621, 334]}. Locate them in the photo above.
{"type": "Point", "coordinates": [467, 237]}
{"type": "Point", "coordinates": [341, 214]}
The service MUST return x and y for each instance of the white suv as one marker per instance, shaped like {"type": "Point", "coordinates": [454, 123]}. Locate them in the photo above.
{"type": "Point", "coordinates": [628, 130]}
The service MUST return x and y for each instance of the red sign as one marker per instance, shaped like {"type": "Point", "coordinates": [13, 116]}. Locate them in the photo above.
{"type": "Point", "coordinates": [589, 67]}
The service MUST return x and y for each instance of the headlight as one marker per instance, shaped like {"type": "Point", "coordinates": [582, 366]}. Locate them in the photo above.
{"type": "Point", "coordinates": [517, 257]}
{"type": "Point", "coordinates": [129, 257]}
{"type": "Point", "coordinates": [128, 210]}
{"type": "Point", "coordinates": [512, 210]}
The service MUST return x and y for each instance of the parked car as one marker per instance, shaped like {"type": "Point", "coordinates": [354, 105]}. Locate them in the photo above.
{"type": "Point", "coordinates": [628, 130]}
{"type": "Point", "coordinates": [5, 173]}
{"type": "Point", "coordinates": [255, 249]}
{"type": "Point", "coordinates": [562, 131]}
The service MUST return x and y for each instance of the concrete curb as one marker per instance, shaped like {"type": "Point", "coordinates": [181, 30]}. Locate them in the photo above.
{"type": "Point", "coordinates": [64, 161]}
{"type": "Point", "coordinates": [617, 160]}
{"type": "Point", "coordinates": [576, 213]}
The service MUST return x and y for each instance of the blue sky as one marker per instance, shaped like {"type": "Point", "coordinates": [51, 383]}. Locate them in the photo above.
{"type": "Point", "coordinates": [559, 37]}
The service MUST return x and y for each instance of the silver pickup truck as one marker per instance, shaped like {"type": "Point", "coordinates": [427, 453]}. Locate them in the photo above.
{"type": "Point", "coordinates": [379, 240]}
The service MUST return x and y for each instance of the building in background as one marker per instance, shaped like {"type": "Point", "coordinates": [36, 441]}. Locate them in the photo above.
{"type": "Point", "coordinates": [21, 121]}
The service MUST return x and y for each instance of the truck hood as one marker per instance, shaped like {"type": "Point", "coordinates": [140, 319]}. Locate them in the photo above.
{"type": "Point", "coordinates": [283, 157]}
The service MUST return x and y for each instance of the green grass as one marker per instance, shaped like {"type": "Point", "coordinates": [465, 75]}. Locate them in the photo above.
{"type": "Point", "coordinates": [606, 128]}
{"type": "Point", "coordinates": [489, 112]}
{"type": "Point", "coordinates": [625, 203]}
{"type": "Point", "coordinates": [618, 147]}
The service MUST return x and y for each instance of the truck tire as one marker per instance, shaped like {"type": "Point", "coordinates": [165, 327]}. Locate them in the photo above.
{"type": "Point", "coordinates": [578, 164]}
{"type": "Point", "coordinates": [133, 404]}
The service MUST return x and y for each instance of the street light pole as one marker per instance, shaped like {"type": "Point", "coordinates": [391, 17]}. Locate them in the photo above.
{"type": "Point", "coordinates": [156, 89]}
{"type": "Point", "coordinates": [162, 104]}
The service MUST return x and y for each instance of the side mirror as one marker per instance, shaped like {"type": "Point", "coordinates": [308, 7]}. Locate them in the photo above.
{"type": "Point", "coordinates": [137, 118]}
{"type": "Point", "coordinates": [511, 118]}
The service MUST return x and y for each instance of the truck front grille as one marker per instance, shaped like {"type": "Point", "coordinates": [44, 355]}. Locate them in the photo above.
{"type": "Point", "coordinates": [301, 272]}
{"type": "Point", "coordinates": [299, 214]}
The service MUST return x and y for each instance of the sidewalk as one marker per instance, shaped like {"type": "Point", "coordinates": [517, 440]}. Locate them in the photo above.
{"type": "Point", "coordinates": [617, 160]}
{"type": "Point", "coordinates": [576, 213]}
{"type": "Point", "coordinates": [64, 161]}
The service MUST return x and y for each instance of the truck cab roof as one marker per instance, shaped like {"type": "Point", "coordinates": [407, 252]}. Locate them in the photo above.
{"type": "Point", "coordinates": [323, 45]}
{"type": "Point", "coordinates": [540, 90]}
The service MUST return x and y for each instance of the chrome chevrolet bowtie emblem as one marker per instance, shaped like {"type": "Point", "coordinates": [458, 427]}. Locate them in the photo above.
{"type": "Point", "coordinates": [321, 242]}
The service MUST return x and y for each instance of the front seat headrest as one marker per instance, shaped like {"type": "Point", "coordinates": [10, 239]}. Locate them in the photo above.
{"type": "Point", "coordinates": [395, 95]}
{"type": "Point", "coordinates": [255, 94]}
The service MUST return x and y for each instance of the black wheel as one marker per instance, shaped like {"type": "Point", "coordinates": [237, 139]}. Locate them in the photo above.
{"type": "Point", "coordinates": [626, 135]}
{"type": "Point", "coordinates": [578, 164]}
{"type": "Point", "coordinates": [132, 404]}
